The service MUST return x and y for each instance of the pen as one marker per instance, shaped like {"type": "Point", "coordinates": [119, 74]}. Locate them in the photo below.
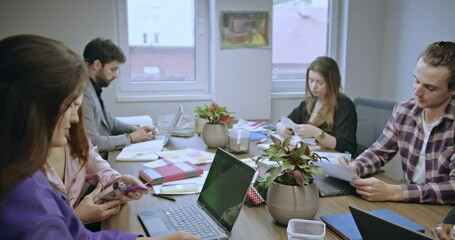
{"type": "Point", "coordinates": [142, 153]}
{"type": "Point", "coordinates": [164, 197]}
{"type": "Point", "coordinates": [261, 141]}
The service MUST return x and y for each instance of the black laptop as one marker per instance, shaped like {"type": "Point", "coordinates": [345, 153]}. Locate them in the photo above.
{"type": "Point", "coordinates": [331, 187]}
{"type": "Point", "coordinates": [218, 205]}
{"type": "Point", "coordinates": [372, 227]}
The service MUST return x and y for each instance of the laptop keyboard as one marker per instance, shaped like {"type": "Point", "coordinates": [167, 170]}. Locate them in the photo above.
{"type": "Point", "coordinates": [188, 218]}
{"type": "Point", "coordinates": [329, 186]}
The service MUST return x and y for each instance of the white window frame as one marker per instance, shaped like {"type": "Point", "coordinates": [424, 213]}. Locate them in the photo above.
{"type": "Point", "coordinates": [199, 89]}
{"type": "Point", "coordinates": [285, 88]}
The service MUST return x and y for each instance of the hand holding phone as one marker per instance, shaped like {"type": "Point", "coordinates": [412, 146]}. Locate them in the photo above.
{"type": "Point", "coordinates": [116, 190]}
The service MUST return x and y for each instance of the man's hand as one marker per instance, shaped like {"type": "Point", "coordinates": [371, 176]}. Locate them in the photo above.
{"type": "Point", "coordinates": [346, 162]}
{"type": "Point", "coordinates": [373, 189]}
{"type": "Point", "coordinates": [443, 231]}
{"type": "Point", "coordinates": [140, 134]}
{"type": "Point", "coordinates": [89, 212]}
{"type": "Point", "coordinates": [149, 130]}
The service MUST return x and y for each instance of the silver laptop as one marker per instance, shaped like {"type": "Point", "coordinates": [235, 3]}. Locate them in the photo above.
{"type": "Point", "coordinates": [217, 207]}
{"type": "Point", "coordinates": [167, 135]}
{"type": "Point", "coordinates": [372, 227]}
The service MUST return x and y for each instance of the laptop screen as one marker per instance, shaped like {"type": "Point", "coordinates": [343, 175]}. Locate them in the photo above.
{"type": "Point", "coordinates": [176, 119]}
{"type": "Point", "coordinates": [385, 229]}
{"type": "Point", "coordinates": [225, 188]}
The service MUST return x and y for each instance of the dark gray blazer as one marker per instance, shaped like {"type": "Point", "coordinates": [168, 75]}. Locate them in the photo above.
{"type": "Point", "coordinates": [104, 130]}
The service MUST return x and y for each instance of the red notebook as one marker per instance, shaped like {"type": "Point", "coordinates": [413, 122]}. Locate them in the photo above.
{"type": "Point", "coordinates": [170, 172]}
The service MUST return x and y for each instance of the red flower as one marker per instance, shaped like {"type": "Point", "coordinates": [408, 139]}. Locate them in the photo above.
{"type": "Point", "coordinates": [213, 106]}
{"type": "Point", "coordinates": [225, 118]}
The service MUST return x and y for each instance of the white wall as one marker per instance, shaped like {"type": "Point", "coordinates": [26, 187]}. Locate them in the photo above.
{"type": "Point", "coordinates": [383, 40]}
{"type": "Point", "coordinates": [74, 23]}
{"type": "Point", "coordinates": [242, 75]}
{"type": "Point", "coordinates": [410, 25]}
{"type": "Point", "coordinates": [364, 48]}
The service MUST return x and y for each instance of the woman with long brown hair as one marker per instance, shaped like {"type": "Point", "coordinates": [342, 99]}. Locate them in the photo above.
{"type": "Point", "coordinates": [40, 82]}
{"type": "Point", "coordinates": [326, 114]}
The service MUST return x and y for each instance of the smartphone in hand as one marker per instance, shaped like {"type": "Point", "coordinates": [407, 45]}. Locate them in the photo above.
{"type": "Point", "coordinates": [116, 190]}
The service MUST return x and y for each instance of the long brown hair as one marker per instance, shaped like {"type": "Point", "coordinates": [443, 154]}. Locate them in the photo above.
{"type": "Point", "coordinates": [39, 80]}
{"type": "Point", "coordinates": [78, 140]}
{"type": "Point", "coordinates": [328, 69]}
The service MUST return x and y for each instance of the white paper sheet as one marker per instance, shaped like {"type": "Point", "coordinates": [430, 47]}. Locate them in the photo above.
{"type": "Point", "coordinates": [333, 156]}
{"type": "Point", "coordinates": [194, 156]}
{"type": "Point", "coordinates": [255, 126]}
{"type": "Point", "coordinates": [198, 180]}
{"type": "Point", "coordinates": [155, 163]}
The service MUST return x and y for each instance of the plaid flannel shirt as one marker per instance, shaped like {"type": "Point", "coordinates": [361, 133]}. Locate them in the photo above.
{"type": "Point", "coordinates": [403, 134]}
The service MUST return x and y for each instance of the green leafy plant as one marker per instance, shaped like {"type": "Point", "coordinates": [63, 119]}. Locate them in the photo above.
{"type": "Point", "coordinates": [291, 160]}
{"type": "Point", "coordinates": [215, 113]}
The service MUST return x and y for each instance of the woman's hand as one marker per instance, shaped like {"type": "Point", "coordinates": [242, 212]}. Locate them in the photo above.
{"type": "Point", "coordinates": [283, 130]}
{"type": "Point", "coordinates": [132, 181]}
{"type": "Point", "coordinates": [180, 235]}
{"type": "Point", "coordinates": [307, 130]}
{"type": "Point", "coordinates": [89, 211]}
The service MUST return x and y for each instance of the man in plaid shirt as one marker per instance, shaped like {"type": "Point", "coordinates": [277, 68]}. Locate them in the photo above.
{"type": "Point", "coordinates": [422, 131]}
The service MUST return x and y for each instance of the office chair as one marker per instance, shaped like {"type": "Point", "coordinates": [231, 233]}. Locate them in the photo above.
{"type": "Point", "coordinates": [373, 115]}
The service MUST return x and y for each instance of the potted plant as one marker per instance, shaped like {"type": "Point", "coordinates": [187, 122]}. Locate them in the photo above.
{"type": "Point", "coordinates": [291, 190]}
{"type": "Point", "coordinates": [218, 119]}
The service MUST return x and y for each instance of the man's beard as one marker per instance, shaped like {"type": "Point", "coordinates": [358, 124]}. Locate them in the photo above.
{"type": "Point", "coordinates": [102, 81]}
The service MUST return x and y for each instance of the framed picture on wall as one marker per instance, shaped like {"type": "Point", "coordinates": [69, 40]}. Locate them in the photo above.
{"type": "Point", "coordinates": [244, 29]}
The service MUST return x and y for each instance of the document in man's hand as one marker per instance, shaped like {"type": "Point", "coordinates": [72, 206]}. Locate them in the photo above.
{"type": "Point", "coordinates": [337, 171]}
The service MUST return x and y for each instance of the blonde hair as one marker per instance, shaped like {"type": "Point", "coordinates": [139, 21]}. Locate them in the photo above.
{"type": "Point", "coordinates": [328, 69]}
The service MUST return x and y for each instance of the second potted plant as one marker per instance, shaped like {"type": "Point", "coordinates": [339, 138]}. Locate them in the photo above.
{"type": "Point", "coordinates": [291, 190]}
{"type": "Point", "coordinates": [218, 118]}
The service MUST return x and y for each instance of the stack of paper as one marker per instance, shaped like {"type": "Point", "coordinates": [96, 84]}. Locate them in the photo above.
{"type": "Point", "coordinates": [194, 156]}
{"type": "Point", "coordinates": [252, 126]}
{"type": "Point", "coordinates": [143, 151]}
{"type": "Point", "coordinates": [143, 120]}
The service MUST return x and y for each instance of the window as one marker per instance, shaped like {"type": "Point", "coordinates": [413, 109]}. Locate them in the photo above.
{"type": "Point", "coordinates": [300, 34]}
{"type": "Point", "coordinates": [165, 43]}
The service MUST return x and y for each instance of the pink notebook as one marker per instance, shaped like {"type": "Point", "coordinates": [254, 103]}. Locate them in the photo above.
{"type": "Point", "coordinates": [170, 172]}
